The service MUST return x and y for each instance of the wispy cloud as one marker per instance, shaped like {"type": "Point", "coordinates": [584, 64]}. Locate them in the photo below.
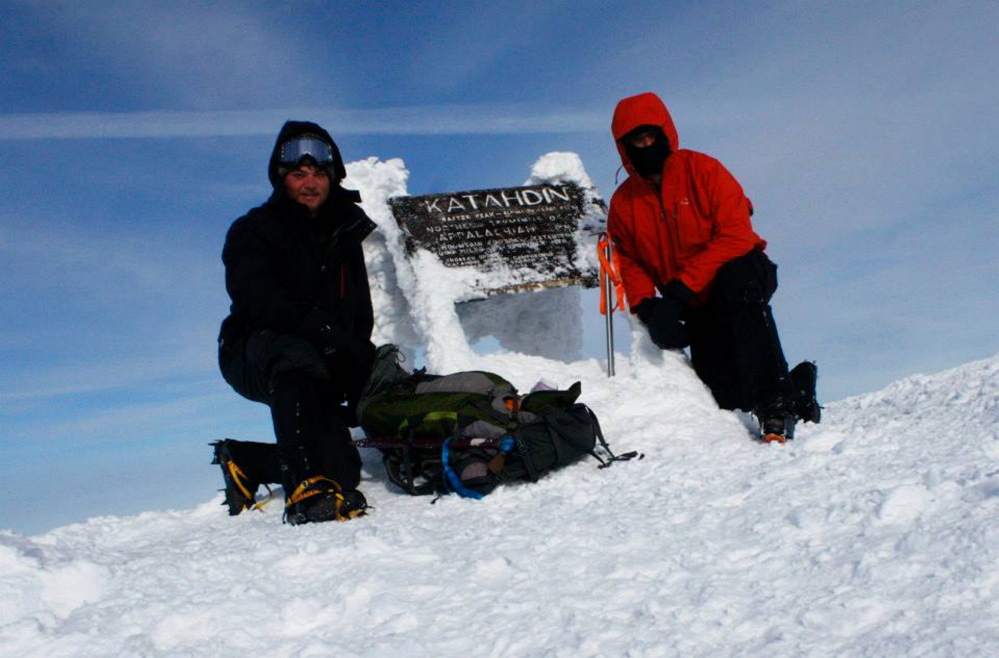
{"type": "Point", "coordinates": [496, 118]}
{"type": "Point", "coordinates": [470, 41]}
{"type": "Point", "coordinates": [178, 54]}
{"type": "Point", "coordinates": [128, 418]}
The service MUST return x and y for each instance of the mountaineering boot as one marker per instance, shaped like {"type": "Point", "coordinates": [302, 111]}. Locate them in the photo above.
{"type": "Point", "coordinates": [315, 498]}
{"type": "Point", "coordinates": [776, 424]}
{"type": "Point", "coordinates": [354, 505]}
{"type": "Point", "coordinates": [240, 491]}
{"type": "Point", "coordinates": [803, 379]}
{"type": "Point", "coordinates": [318, 499]}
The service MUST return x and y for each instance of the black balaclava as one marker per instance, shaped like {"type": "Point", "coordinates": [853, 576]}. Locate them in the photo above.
{"type": "Point", "coordinates": [648, 160]}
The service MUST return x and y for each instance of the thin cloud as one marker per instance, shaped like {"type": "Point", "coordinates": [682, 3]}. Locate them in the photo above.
{"type": "Point", "coordinates": [185, 412]}
{"type": "Point", "coordinates": [417, 120]}
{"type": "Point", "coordinates": [192, 54]}
{"type": "Point", "coordinates": [469, 41]}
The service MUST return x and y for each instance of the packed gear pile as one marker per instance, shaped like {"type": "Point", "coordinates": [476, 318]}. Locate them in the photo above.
{"type": "Point", "coordinates": [469, 432]}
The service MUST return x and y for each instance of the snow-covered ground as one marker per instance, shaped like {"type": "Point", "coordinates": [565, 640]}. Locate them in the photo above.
{"type": "Point", "coordinates": [872, 534]}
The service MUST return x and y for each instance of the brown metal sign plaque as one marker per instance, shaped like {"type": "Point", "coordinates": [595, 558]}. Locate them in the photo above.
{"type": "Point", "coordinates": [530, 230]}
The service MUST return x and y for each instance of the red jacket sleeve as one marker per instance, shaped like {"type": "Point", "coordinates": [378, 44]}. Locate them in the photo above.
{"type": "Point", "coordinates": [638, 285]}
{"type": "Point", "coordinates": [721, 198]}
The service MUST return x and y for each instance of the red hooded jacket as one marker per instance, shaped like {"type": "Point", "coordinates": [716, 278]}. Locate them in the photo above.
{"type": "Point", "coordinates": [695, 223]}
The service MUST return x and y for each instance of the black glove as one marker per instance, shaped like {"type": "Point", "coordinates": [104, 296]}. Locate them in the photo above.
{"type": "Point", "coordinates": [327, 338]}
{"type": "Point", "coordinates": [662, 317]}
{"type": "Point", "coordinates": [347, 361]}
{"type": "Point", "coordinates": [678, 290]}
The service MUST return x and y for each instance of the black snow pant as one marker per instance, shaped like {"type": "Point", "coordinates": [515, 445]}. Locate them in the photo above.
{"type": "Point", "coordinates": [734, 348]}
{"type": "Point", "coordinates": [287, 374]}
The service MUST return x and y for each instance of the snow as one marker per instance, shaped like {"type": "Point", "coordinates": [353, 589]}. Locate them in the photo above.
{"type": "Point", "coordinates": [872, 534]}
{"type": "Point", "coordinates": [520, 322]}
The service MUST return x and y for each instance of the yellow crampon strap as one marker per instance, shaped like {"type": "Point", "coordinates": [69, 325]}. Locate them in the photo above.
{"type": "Point", "coordinates": [306, 489]}
{"type": "Point", "coordinates": [352, 514]}
{"type": "Point", "coordinates": [607, 271]}
{"type": "Point", "coordinates": [238, 476]}
{"type": "Point", "coordinates": [270, 496]}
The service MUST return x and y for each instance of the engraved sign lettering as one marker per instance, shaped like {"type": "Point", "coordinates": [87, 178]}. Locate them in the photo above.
{"type": "Point", "coordinates": [528, 229]}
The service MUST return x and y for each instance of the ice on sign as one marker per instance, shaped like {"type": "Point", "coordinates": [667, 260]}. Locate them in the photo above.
{"type": "Point", "coordinates": [532, 231]}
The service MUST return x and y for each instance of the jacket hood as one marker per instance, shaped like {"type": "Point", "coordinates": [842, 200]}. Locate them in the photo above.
{"type": "Point", "coordinates": [293, 129]}
{"type": "Point", "coordinates": [642, 110]}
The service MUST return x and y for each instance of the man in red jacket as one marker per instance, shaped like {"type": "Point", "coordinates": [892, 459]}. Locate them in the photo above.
{"type": "Point", "coordinates": [681, 228]}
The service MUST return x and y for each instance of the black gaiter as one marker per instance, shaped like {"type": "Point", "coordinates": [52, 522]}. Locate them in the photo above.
{"type": "Point", "coordinates": [648, 160]}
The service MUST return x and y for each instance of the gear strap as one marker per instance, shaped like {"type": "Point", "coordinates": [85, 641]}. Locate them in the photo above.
{"type": "Point", "coordinates": [605, 463]}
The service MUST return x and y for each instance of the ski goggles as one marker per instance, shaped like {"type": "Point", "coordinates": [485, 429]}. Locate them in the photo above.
{"type": "Point", "coordinates": [307, 146]}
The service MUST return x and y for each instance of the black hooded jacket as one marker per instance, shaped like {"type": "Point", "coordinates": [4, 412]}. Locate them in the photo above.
{"type": "Point", "coordinates": [301, 275]}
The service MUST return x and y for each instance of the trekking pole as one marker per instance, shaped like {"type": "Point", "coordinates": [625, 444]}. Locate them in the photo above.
{"type": "Point", "coordinates": [609, 320]}
{"type": "Point", "coordinates": [610, 285]}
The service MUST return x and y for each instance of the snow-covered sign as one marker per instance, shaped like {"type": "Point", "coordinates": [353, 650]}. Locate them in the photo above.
{"type": "Point", "coordinates": [530, 233]}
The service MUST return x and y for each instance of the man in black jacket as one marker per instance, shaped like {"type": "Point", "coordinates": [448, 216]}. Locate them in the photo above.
{"type": "Point", "coordinates": [298, 336]}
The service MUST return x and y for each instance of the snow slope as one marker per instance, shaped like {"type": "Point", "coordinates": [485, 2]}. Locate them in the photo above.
{"type": "Point", "coordinates": [873, 534]}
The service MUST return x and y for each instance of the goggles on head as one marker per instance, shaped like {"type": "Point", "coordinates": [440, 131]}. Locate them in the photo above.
{"type": "Point", "coordinates": [307, 146]}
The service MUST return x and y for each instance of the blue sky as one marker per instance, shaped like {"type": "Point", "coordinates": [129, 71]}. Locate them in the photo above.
{"type": "Point", "coordinates": [135, 132]}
